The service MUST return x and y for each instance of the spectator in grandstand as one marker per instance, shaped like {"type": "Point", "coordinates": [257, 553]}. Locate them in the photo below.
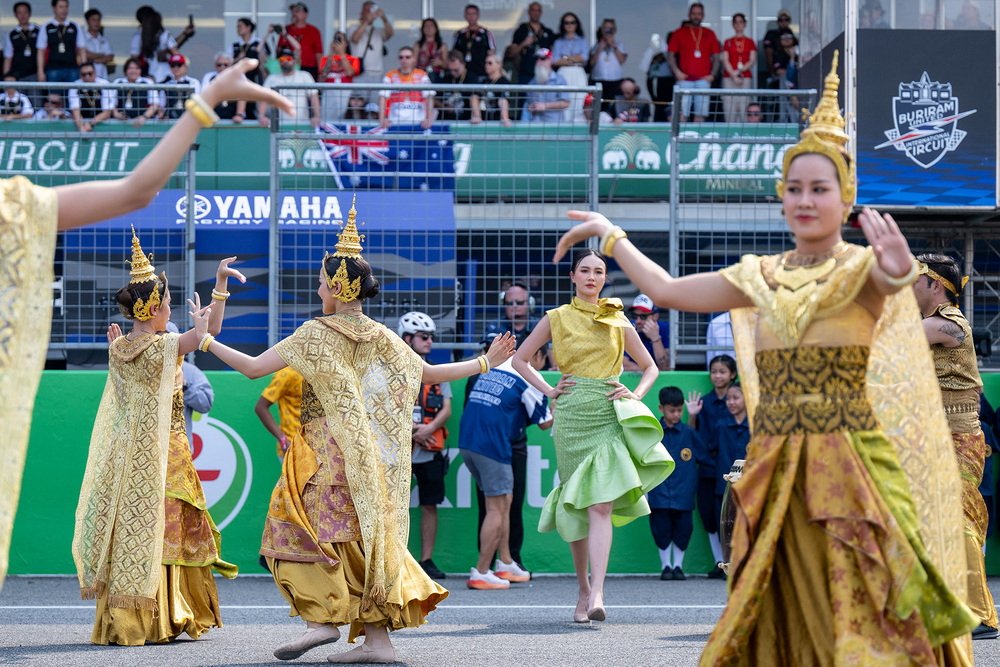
{"type": "Point", "coordinates": [456, 105]}
{"type": "Point", "coordinates": [569, 56]}
{"type": "Point", "coordinates": [98, 48]}
{"type": "Point", "coordinates": [153, 45]}
{"type": "Point", "coordinates": [517, 318]}
{"type": "Point", "coordinates": [52, 109]}
{"type": "Point", "coordinates": [20, 47]}
{"type": "Point", "coordinates": [339, 67]}
{"type": "Point", "coordinates": [878, 20]}
{"type": "Point", "coordinates": [91, 106]}
{"type": "Point", "coordinates": [969, 18]}
{"type": "Point", "coordinates": [133, 104]}
{"type": "Point", "coordinates": [739, 55]}
{"type": "Point", "coordinates": [786, 71]}
{"type": "Point", "coordinates": [368, 43]}
{"type": "Point", "coordinates": [358, 108]}
{"type": "Point", "coordinates": [276, 39]}
{"type": "Point", "coordinates": [308, 36]}
{"type": "Point", "coordinates": [61, 46]}
{"type": "Point", "coordinates": [226, 110]}
{"type": "Point", "coordinates": [528, 38]}
{"type": "Point", "coordinates": [432, 52]}
{"type": "Point", "coordinates": [606, 60]}
{"type": "Point", "coordinates": [654, 334]}
{"type": "Point", "coordinates": [403, 106]}
{"type": "Point", "coordinates": [491, 104]}
{"type": "Point", "coordinates": [628, 106]}
{"type": "Point", "coordinates": [430, 413]}
{"type": "Point", "coordinates": [172, 101]}
{"type": "Point", "coordinates": [770, 45]}
{"type": "Point", "coordinates": [659, 77]}
{"type": "Point", "coordinates": [545, 107]}
{"type": "Point", "coordinates": [249, 46]}
{"type": "Point", "coordinates": [498, 408]}
{"type": "Point", "coordinates": [306, 102]}
{"type": "Point", "coordinates": [754, 113]}
{"type": "Point", "coordinates": [693, 53]}
{"type": "Point", "coordinates": [14, 105]}
{"type": "Point", "coordinates": [474, 42]}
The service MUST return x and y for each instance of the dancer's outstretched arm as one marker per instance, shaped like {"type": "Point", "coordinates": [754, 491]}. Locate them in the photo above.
{"type": "Point", "coordinates": [698, 293]}
{"type": "Point", "coordinates": [93, 201]}
{"type": "Point", "coordinates": [265, 363]}
{"type": "Point", "coordinates": [500, 351]}
{"type": "Point", "coordinates": [222, 276]}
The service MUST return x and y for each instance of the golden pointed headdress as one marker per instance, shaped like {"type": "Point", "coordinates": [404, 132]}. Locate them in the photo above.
{"type": "Point", "coordinates": [825, 135]}
{"type": "Point", "coordinates": [142, 271]}
{"type": "Point", "coordinates": [348, 246]}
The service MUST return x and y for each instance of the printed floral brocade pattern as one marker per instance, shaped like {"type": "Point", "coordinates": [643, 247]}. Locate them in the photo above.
{"type": "Point", "coordinates": [813, 390]}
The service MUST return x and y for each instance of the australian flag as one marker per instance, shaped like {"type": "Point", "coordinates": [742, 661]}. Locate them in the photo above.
{"type": "Point", "coordinates": [372, 158]}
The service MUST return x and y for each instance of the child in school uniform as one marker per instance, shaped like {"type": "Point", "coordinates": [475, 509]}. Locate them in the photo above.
{"type": "Point", "coordinates": [732, 435]}
{"type": "Point", "coordinates": [672, 502]}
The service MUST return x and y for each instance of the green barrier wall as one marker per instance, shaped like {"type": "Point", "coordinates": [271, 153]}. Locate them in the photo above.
{"type": "Point", "coordinates": [239, 467]}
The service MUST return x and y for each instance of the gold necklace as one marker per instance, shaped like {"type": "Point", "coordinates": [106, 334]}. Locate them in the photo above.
{"type": "Point", "coordinates": [795, 259]}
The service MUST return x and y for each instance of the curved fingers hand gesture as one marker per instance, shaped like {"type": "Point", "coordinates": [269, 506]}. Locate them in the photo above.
{"type": "Point", "coordinates": [501, 349]}
{"type": "Point", "coordinates": [591, 224]}
{"type": "Point", "coordinates": [226, 271]}
{"type": "Point", "coordinates": [199, 315]}
{"type": "Point", "coordinates": [891, 249]}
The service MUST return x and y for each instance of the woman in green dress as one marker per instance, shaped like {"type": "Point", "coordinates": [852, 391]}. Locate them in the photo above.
{"type": "Point", "coordinates": [608, 449]}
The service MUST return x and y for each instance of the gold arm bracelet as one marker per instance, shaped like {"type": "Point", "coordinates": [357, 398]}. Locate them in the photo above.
{"type": "Point", "coordinates": [199, 109]}
{"type": "Point", "coordinates": [484, 364]}
{"type": "Point", "coordinates": [609, 240]}
{"type": "Point", "coordinates": [206, 340]}
{"type": "Point", "coordinates": [219, 296]}
{"type": "Point", "coordinates": [904, 280]}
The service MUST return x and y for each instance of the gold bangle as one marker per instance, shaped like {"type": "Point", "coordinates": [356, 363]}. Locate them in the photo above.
{"type": "Point", "coordinates": [904, 280]}
{"type": "Point", "coordinates": [219, 296]}
{"type": "Point", "coordinates": [206, 340]}
{"type": "Point", "coordinates": [609, 240]}
{"type": "Point", "coordinates": [484, 364]}
{"type": "Point", "coordinates": [200, 110]}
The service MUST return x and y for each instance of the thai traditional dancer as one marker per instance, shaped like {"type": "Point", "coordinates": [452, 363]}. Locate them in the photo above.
{"type": "Point", "coordinates": [145, 544]}
{"type": "Point", "coordinates": [608, 448]}
{"type": "Point", "coordinates": [336, 532]}
{"type": "Point", "coordinates": [937, 290]}
{"type": "Point", "coordinates": [847, 545]}
{"type": "Point", "coordinates": [30, 216]}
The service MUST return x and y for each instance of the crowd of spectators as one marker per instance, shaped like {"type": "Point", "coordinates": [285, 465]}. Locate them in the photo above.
{"type": "Point", "coordinates": [691, 57]}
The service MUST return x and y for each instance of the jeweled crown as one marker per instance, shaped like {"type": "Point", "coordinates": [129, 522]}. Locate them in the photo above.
{"type": "Point", "coordinates": [142, 271]}
{"type": "Point", "coordinates": [825, 135]}
{"type": "Point", "coordinates": [348, 246]}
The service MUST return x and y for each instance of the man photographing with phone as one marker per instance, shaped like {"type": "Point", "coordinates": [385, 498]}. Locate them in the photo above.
{"type": "Point", "coordinates": [606, 60]}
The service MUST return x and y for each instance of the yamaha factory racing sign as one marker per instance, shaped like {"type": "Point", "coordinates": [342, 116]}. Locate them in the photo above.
{"type": "Point", "coordinates": [926, 122]}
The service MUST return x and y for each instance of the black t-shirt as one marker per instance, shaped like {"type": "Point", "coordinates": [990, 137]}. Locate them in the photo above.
{"type": "Point", "coordinates": [543, 39]}
{"type": "Point", "coordinates": [489, 99]}
{"type": "Point", "coordinates": [24, 44]}
{"type": "Point", "coordinates": [475, 47]}
{"type": "Point", "coordinates": [62, 45]}
{"type": "Point", "coordinates": [457, 105]}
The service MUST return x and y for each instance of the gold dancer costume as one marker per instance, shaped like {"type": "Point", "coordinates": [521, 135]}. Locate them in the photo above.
{"type": "Point", "coordinates": [337, 526]}
{"type": "Point", "coordinates": [961, 386]}
{"type": "Point", "coordinates": [847, 547]}
{"type": "Point", "coordinates": [144, 543]}
{"type": "Point", "coordinates": [28, 219]}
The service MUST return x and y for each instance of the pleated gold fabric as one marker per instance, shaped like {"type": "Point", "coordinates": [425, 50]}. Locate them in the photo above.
{"type": "Point", "coordinates": [325, 593]}
{"type": "Point", "coordinates": [972, 450]}
{"type": "Point", "coordinates": [28, 221]}
{"type": "Point", "coordinates": [187, 600]}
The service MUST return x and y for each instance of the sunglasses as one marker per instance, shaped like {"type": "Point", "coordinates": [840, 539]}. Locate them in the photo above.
{"type": "Point", "coordinates": [515, 302]}
{"type": "Point", "coordinates": [87, 73]}
{"type": "Point", "coordinates": [173, 65]}
{"type": "Point", "coordinates": [643, 316]}
{"type": "Point", "coordinates": [426, 336]}
{"type": "Point", "coordinates": [569, 22]}
{"type": "Point", "coordinates": [784, 19]}
{"type": "Point", "coordinates": [222, 65]}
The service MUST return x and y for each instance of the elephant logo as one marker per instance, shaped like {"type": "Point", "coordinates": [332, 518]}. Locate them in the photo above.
{"type": "Point", "coordinates": [631, 150]}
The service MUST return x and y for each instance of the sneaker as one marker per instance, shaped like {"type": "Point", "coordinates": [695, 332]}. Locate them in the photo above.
{"type": "Point", "coordinates": [717, 573]}
{"type": "Point", "coordinates": [667, 574]}
{"type": "Point", "coordinates": [485, 582]}
{"type": "Point", "coordinates": [263, 563]}
{"type": "Point", "coordinates": [432, 570]}
{"type": "Point", "coordinates": [510, 571]}
{"type": "Point", "coordinates": [679, 574]}
{"type": "Point", "coordinates": [985, 632]}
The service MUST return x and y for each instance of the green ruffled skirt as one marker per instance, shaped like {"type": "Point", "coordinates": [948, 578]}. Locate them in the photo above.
{"type": "Point", "coordinates": [606, 451]}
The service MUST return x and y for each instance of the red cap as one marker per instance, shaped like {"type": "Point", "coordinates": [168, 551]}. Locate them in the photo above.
{"type": "Point", "coordinates": [177, 59]}
{"type": "Point", "coordinates": [543, 54]}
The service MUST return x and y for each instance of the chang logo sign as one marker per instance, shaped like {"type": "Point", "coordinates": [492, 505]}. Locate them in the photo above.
{"type": "Point", "coordinates": [224, 467]}
{"type": "Point", "coordinates": [926, 116]}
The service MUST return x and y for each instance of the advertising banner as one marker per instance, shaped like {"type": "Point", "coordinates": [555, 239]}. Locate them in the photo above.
{"type": "Point", "coordinates": [926, 122]}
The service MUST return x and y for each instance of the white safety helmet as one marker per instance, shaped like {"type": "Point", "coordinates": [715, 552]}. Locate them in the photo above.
{"type": "Point", "coordinates": [415, 321]}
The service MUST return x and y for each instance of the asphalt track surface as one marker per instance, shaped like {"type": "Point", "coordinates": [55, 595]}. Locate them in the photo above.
{"type": "Point", "coordinates": [43, 622]}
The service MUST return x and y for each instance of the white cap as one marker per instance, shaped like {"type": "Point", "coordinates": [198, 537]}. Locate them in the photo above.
{"type": "Point", "coordinates": [644, 304]}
